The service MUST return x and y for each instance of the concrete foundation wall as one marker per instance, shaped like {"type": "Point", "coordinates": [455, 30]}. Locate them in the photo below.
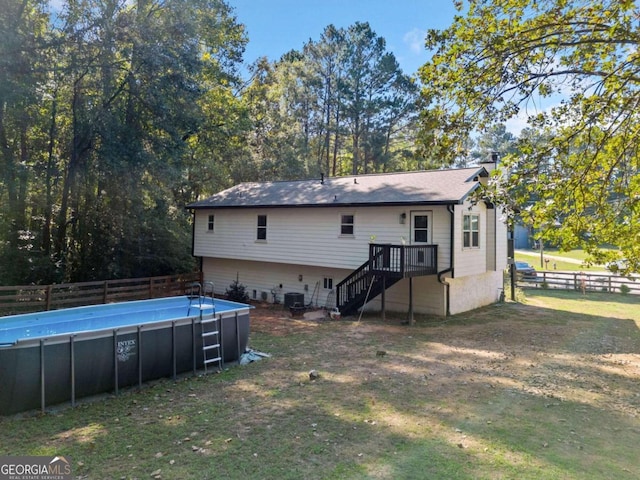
{"type": "Point", "coordinates": [474, 291]}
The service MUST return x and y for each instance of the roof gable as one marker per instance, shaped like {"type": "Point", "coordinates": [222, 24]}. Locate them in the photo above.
{"type": "Point", "coordinates": [431, 187]}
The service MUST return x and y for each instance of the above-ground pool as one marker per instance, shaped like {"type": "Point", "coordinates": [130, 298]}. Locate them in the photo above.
{"type": "Point", "coordinates": [47, 358]}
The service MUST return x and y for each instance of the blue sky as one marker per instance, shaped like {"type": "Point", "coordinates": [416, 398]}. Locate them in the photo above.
{"type": "Point", "coordinates": [276, 26]}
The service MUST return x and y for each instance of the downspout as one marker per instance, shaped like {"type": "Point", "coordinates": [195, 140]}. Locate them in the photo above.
{"type": "Point", "coordinates": [193, 245]}
{"type": "Point", "coordinates": [193, 232]}
{"type": "Point", "coordinates": [451, 210]}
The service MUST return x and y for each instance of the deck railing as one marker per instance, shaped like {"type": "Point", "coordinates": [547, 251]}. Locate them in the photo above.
{"type": "Point", "coordinates": [34, 298]}
{"type": "Point", "coordinates": [391, 262]}
{"type": "Point", "coordinates": [403, 260]}
{"type": "Point", "coordinates": [353, 285]}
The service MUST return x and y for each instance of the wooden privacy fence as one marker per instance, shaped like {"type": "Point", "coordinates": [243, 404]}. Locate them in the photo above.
{"type": "Point", "coordinates": [33, 298]}
{"type": "Point", "coordinates": [588, 282]}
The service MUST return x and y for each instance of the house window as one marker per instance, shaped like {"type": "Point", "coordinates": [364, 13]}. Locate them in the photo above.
{"type": "Point", "coordinates": [210, 223]}
{"type": "Point", "coordinates": [346, 224]}
{"type": "Point", "coordinates": [471, 231]}
{"type": "Point", "coordinates": [328, 283]}
{"type": "Point", "coordinates": [262, 228]}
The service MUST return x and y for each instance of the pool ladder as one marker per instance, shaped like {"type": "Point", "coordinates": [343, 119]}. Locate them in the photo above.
{"type": "Point", "coordinates": [210, 324]}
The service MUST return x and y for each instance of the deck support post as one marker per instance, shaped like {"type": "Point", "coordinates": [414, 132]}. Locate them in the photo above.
{"type": "Point", "coordinates": [384, 300]}
{"type": "Point", "coordinates": [411, 319]}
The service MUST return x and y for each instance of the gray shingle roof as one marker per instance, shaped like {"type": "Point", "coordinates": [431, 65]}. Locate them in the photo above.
{"type": "Point", "coordinates": [431, 187]}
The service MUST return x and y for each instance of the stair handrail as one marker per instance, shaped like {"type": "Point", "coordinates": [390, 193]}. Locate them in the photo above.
{"type": "Point", "coordinates": [358, 274]}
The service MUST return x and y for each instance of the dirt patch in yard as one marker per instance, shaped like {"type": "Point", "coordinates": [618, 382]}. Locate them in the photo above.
{"type": "Point", "coordinates": [530, 349]}
{"type": "Point", "coordinates": [524, 349]}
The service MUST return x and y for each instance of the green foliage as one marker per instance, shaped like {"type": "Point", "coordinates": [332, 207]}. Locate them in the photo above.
{"type": "Point", "coordinates": [237, 292]}
{"type": "Point", "coordinates": [576, 179]}
{"type": "Point", "coordinates": [339, 106]}
{"type": "Point", "coordinates": [105, 108]}
{"type": "Point", "coordinates": [624, 289]}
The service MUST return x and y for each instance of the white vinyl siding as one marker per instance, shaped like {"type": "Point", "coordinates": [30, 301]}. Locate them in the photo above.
{"type": "Point", "coordinates": [469, 261]}
{"type": "Point", "coordinates": [501, 241]}
{"type": "Point", "coordinates": [496, 240]}
{"type": "Point", "coordinates": [307, 236]}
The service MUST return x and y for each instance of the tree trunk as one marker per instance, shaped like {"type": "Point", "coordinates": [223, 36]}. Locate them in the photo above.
{"type": "Point", "coordinates": [356, 145]}
{"type": "Point", "coordinates": [48, 209]}
{"type": "Point", "coordinates": [327, 137]}
{"type": "Point", "coordinates": [336, 142]}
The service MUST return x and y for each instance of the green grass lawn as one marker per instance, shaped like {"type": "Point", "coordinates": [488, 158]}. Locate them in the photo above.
{"type": "Point", "coordinates": [532, 257]}
{"type": "Point", "coordinates": [574, 254]}
{"type": "Point", "coordinates": [543, 389]}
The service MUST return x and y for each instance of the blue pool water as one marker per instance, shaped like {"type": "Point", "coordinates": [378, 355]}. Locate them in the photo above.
{"type": "Point", "coordinates": [101, 317]}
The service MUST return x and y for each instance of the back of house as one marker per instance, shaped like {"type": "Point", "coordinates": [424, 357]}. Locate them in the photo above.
{"type": "Point", "coordinates": [419, 240]}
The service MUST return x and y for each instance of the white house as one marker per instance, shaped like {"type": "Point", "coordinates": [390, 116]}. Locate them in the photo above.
{"type": "Point", "coordinates": [414, 240]}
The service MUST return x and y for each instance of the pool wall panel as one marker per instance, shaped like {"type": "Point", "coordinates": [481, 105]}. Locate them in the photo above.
{"type": "Point", "coordinates": [94, 371]}
{"type": "Point", "coordinates": [94, 361]}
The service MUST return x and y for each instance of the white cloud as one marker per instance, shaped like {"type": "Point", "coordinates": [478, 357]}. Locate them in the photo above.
{"type": "Point", "coordinates": [57, 5]}
{"type": "Point", "coordinates": [414, 39]}
{"type": "Point", "coordinates": [516, 124]}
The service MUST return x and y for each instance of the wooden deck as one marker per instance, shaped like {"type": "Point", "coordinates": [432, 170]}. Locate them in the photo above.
{"type": "Point", "coordinates": [387, 265]}
{"type": "Point", "coordinates": [403, 261]}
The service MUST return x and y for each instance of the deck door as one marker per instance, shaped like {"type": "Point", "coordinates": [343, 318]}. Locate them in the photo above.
{"type": "Point", "coordinates": [421, 227]}
{"type": "Point", "coordinates": [421, 232]}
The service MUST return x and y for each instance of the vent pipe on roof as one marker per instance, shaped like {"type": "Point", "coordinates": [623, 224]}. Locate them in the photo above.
{"type": "Point", "coordinates": [321, 178]}
{"type": "Point", "coordinates": [491, 162]}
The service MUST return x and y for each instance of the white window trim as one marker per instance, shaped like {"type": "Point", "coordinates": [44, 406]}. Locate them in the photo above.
{"type": "Point", "coordinates": [266, 229]}
{"type": "Point", "coordinates": [211, 225]}
{"type": "Point", "coordinates": [429, 215]}
{"type": "Point", "coordinates": [471, 247]}
{"type": "Point", "coordinates": [340, 224]}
